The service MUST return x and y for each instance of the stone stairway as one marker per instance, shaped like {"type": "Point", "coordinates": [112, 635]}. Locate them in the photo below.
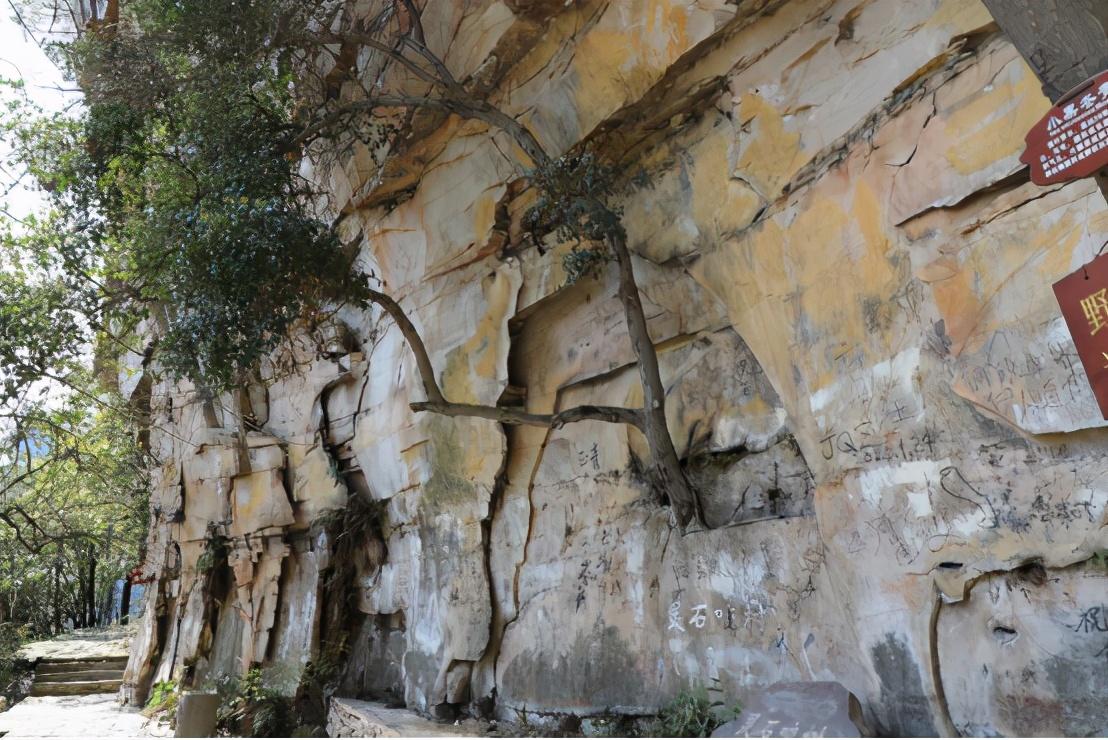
{"type": "Point", "coordinates": [77, 676]}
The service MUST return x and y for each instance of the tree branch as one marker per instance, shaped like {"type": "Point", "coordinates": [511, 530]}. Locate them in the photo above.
{"type": "Point", "coordinates": [612, 414]}
{"type": "Point", "coordinates": [465, 108]}
{"type": "Point", "coordinates": [415, 342]}
{"type": "Point", "coordinates": [322, 38]}
{"type": "Point", "coordinates": [438, 404]}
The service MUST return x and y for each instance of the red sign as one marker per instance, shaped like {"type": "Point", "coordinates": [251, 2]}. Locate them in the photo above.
{"type": "Point", "coordinates": [135, 576]}
{"type": "Point", "coordinates": [1071, 141]}
{"type": "Point", "coordinates": [1083, 296]}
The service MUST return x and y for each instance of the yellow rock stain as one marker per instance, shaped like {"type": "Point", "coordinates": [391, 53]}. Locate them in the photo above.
{"type": "Point", "coordinates": [1009, 110]}
{"type": "Point", "coordinates": [960, 15]}
{"type": "Point", "coordinates": [770, 153]}
{"type": "Point", "coordinates": [479, 356]}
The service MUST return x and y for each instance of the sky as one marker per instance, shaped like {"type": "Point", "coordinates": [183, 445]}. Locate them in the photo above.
{"type": "Point", "coordinates": [21, 58]}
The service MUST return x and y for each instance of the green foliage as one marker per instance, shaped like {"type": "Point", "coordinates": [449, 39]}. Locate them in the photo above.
{"type": "Point", "coordinates": [12, 637]}
{"type": "Point", "coordinates": [163, 698]}
{"type": "Point", "coordinates": [579, 263]}
{"type": "Point", "coordinates": [175, 194]}
{"type": "Point", "coordinates": [215, 551]}
{"type": "Point", "coordinates": [573, 189]}
{"type": "Point", "coordinates": [37, 326]}
{"type": "Point", "coordinates": [254, 710]}
{"type": "Point", "coordinates": [73, 481]}
{"type": "Point", "coordinates": [693, 713]}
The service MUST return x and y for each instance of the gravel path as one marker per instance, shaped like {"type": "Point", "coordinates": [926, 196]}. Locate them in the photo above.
{"type": "Point", "coordinates": [94, 715]}
{"type": "Point", "coordinates": [89, 716]}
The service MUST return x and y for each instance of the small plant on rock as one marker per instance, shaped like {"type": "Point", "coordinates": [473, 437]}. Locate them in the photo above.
{"type": "Point", "coordinates": [694, 713]}
{"type": "Point", "coordinates": [163, 698]}
{"type": "Point", "coordinates": [215, 551]}
{"type": "Point", "coordinates": [255, 710]}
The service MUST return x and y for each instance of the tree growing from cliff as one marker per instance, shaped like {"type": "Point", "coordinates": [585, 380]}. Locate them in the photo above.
{"type": "Point", "coordinates": [178, 194]}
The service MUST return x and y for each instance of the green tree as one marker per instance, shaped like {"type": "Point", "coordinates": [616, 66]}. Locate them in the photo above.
{"type": "Point", "coordinates": [178, 194]}
{"type": "Point", "coordinates": [73, 506]}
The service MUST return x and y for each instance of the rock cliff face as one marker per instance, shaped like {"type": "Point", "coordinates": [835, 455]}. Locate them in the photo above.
{"type": "Point", "coordinates": [847, 276]}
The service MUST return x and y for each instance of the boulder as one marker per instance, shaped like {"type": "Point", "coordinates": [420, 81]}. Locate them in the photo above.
{"type": "Point", "coordinates": [802, 709]}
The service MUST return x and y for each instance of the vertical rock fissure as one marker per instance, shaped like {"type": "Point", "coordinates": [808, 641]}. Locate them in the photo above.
{"type": "Point", "coordinates": [514, 384]}
{"type": "Point", "coordinates": [355, 533]}
{"type": "Point", "coordinates": [496, 627]}
{"type": "Point", "coordinates": [936, 669]}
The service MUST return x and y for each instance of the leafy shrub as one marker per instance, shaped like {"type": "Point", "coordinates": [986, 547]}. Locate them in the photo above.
{"type": "Point", "coordinates": [215, 552]}
{"type": "Point", "coordinates": [579, 263]}
{"type": "Point", "coordinates": [175, 194]}
{"type": "Point", "coordinates": [163, 698]}
{"type": "Point", "coordinates": [255, 710]}
{"type": "Point", "coordinates": [693, 713]}
{"type": "Point", "coordinates": [12, 636]}
{"type": "Point", "coordinates": [573, 189]}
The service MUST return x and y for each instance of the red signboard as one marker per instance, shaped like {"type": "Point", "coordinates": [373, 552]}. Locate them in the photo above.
{"type": "Point", "coordinates": [1071, 141]}
{"type": "Point", "coordinates": [1083, 296]}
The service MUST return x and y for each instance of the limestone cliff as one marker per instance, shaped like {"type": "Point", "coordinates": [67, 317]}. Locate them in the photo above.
{"type": "Point", "coordinates": [847, 276]}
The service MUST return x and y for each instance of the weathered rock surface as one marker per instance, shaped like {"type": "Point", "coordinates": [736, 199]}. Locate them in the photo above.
{"type": "Point", "coordinates": [809, 709]}
{"type": "Point", "coordinates": [353, 718]}
{"type": "Point", "coordinates": [848, 278]}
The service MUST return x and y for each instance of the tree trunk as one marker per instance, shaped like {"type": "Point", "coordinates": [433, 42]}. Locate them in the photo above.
{"type": "Point", "coordinates": [57, 595]}
{"type": "Point", "coordinates": [107, 596]}
{"type": "Point", "coordinates": [457, 99]}
{"type": "Point", "coordinates": [90, 593]}
{"type": "Point", "coordinates": [1064, 41]}
{"type": "Point", "coordinates": [125, 600]}
{"type": "Point", "coordinates": [667, 466]}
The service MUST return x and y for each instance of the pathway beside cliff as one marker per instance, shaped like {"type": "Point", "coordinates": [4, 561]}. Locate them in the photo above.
{"type": "Point", "coordinates": [87, 715]}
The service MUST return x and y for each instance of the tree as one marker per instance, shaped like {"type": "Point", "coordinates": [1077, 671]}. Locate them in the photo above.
{"type": "Point", "coordinates": [180, 193]}
{"type": "Point", "coordinates": [73, 510]}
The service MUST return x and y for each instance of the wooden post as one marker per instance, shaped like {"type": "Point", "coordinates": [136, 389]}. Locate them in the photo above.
{"type": "Point", "coordinates": [1065, 42]}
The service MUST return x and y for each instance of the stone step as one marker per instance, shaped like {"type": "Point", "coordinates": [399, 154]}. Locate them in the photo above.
{"type": "Point", "coordinates": [45, 667]}
{"type": "Point", "coordinates": [75, 688]}
{"type": "Point", "coordinates": [98, 675]}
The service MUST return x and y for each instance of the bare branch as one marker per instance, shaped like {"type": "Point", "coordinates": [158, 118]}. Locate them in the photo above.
{"type": "Point", "coordinates": [322, 38]}
{"type": "Point", "coordinates": [415, 342]}
{"type": "Point", "coordinates": [466, 108]}
{"type": "Point", "coordinates": [438, 404]}
{"type": "Point", "coordinates": [612, 414]}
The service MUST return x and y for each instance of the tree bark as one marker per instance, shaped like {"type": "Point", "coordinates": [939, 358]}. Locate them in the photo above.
{"type": "Point", "coordinates": [57, 596]}
{"type": "Point", "coordinates": [613, 414]}
{"type": "Point", "coordinates": [667, 465]}
{"type": "Point", "coordinates": [90, 593]}
{"type": "Point", "coordinates": [125, 600]}
{"type": "Point", "coordinates": [1064, 41]}
{"type": "Point", "coordinates": [438, 404]}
